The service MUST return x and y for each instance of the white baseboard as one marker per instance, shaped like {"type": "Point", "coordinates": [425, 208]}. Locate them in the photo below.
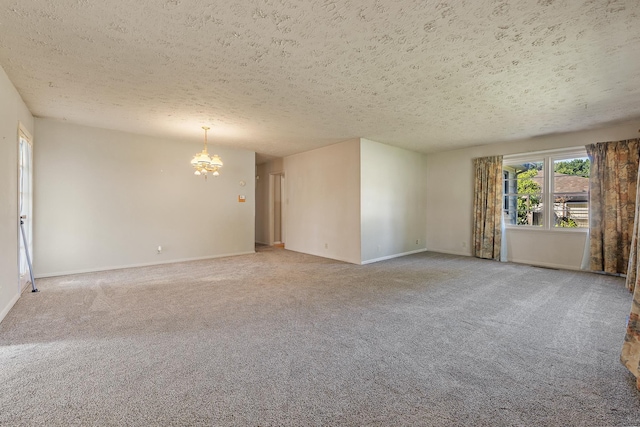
{"type": "Point", "coordinates": [26, 286]}
{"type": "Point", "coordinates": [9, 306]}
{"type": "Point", "coordinates": [546, 264]}
{"type": "Point", "coordinates": [519, 261]}
{"type": "Point", "coordinates": [333, 257]}
{"type": "Point", "coordinates": [119, 267]}
{"type": "Point", "coordinates": [444, 251]}
{"type": "Point", "coordinates": [370, 261]}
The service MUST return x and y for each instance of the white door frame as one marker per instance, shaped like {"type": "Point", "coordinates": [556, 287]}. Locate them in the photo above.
{"type": "Point", "coordinates": [272, 201]}
{"type": "Point", "coordinates": [25, 208]}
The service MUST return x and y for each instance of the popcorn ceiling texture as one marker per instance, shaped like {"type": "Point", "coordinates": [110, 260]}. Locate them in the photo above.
{"type": "Point", "coordinates": [282, 76]}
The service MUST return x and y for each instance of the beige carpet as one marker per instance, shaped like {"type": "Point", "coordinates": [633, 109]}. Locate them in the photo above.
{"type": "Point", "coordinates": [281, 338]}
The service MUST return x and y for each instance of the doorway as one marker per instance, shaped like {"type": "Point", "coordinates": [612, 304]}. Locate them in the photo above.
{"type": "Point", "coordinates": [276, 229]}
{"type": "Point", "coordinates": [25, 202]}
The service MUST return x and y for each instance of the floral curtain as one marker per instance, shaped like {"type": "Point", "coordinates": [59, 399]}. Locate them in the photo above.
{"type": "Point", "coordinates": [633, 273]}
{"type": "Point", "coordinates": [612, 184]}
{"type": "Point", "coordinates": [487, 207]}
{"type": "Point", "coordinates": [630, 356]}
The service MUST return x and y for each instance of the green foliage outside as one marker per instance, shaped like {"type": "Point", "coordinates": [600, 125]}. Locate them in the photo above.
{"type": "Point", "coordinates": [565, 222]}
{"type": "Point", "coordinates": [579, 167]}
{"type": "Point", "coordinates": [528, 195]}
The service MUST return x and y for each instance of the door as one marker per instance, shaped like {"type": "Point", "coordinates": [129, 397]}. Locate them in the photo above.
{"type": "Point", "coordinates": [25, 202]}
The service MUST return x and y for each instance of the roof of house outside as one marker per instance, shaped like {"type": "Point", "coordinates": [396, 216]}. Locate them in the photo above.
{"type": "Point", "coordinates": [570, 183]}
{"type": "Point", "coordinates": [564, 183]}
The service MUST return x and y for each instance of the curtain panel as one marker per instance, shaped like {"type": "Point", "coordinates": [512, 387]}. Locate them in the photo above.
{"type": "Point", "coordinates": [612, 186]}
{"type": "Point", "coordinates": [632, 269]}
{"type": "Point", "coordinates": [630, 356]}
{"type": "Point", "coordinates": [487, 207]}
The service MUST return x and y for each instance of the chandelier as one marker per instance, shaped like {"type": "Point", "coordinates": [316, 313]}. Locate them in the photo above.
{"type": "Point", "coordinates": [203, 163]}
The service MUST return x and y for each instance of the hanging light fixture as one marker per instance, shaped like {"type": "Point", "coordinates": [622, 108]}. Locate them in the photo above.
{"type": "Point", "coordinates": [203, 163]}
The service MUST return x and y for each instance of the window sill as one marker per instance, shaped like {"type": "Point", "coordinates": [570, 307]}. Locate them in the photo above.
{"type": "Point", "coordinates": [546, 230]}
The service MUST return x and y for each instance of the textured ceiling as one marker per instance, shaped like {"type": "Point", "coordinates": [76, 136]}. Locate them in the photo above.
{"type": "Point", "coordinates": [284, 76]}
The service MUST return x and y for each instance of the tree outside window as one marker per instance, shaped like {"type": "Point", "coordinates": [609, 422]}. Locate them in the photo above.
{"type": "Point", "coordinates": [523, 193]}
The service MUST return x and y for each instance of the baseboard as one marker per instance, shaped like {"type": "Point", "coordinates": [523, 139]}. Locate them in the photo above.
{"type": "Point", "coordinates": [546, 265]}
{"type": "Point", "coordinates": [9, 306]}
{"type": "Point", "coordinates": [444, 251]}
{"type": "Point", "coordinates": [120, 267]}
{"type": "Point", "coordinates": [324, 256]}
{"type": "Point", "coordinates": [520, 261]}
{"type": "Point", "coordinates": [370, 261]}
{"type": "Point", "coordinates": [26, 286]}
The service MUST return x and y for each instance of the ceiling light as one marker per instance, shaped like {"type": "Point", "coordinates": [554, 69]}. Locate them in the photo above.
{"type": "Point", "coordinates": [203, 163]}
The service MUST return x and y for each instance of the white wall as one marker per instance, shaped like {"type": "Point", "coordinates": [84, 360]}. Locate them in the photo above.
{"type": "Point", "coordinates": [106, 199]}
{"type": "Point", "coordinates": [393, 201]}
{"type": "Point", "coordinates": [450, 200]}
{"type": "Point", "coordinates": [262, 198]}
{"type": "Point", "coordinates": [12, 111]}
{"type": "Point", "coordinates": [322, 201]}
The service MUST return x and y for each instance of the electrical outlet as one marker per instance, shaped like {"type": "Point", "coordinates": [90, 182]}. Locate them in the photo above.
{"type": "Point", "coordinates": [326, 246]}
{"type": "Point", "coordinates": [159, 249]}
{"type": "Point", "coordinates": [417, 241]}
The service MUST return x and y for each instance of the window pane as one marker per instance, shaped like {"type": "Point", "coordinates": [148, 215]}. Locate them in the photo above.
{"type": "Point", "coordinates": [523, 185]}
{"type": "Point", "coordinates": [530, 209]}
{"type": "Point", "coordinates": [571, 192]}
{"type": "Point", "coordinates": [511, 209]}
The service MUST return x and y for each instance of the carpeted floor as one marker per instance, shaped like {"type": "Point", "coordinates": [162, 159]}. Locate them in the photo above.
{"type": "Point", "coordinates": [282, 338]}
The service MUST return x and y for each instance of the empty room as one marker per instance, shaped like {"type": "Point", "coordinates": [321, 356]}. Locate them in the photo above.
{"type": "Point", "coordinates": [277, 212]}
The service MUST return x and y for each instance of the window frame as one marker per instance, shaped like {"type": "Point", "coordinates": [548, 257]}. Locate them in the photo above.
{"type": "Point", "coordinates": [549, 158]}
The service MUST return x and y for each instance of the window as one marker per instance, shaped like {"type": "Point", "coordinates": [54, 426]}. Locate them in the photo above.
{"type": "Point", "coordinates": [547, 190]}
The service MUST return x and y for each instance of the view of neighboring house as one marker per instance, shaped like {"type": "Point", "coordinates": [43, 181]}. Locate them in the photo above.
{"type": "Point", "coordinates": [571, 200]}
{"type": "Point", "coordinates": [524, 196]}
